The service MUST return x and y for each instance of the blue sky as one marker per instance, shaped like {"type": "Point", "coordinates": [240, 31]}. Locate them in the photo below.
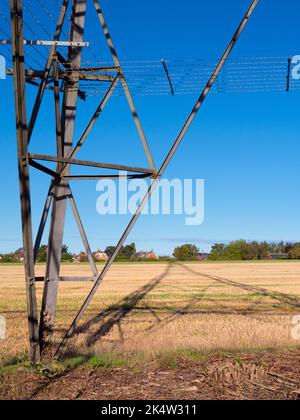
{"type": "Point", "coordinates": [245, 146]}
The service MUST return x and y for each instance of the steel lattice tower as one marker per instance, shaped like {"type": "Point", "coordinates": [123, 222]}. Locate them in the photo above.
{"type": "Point", "coordinates": [70, 71]}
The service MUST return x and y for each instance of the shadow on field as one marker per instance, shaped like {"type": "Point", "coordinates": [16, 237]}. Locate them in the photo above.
{"type": "Point", "coordinates": [116, 313]}
{"type": "Point", "coordinates": [281, 297]}
{"type": "Point", "coordinates": [107, 319]}
{"type": "Point", "coordinates": [113, 316]}
{"type": "Point", "coordinates": [252, 309]}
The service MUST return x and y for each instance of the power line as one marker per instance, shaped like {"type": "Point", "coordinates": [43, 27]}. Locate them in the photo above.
{"type": "Point", "coordinates": [147, 77]}
{"type": "Point", "coordinates": [50, 15]}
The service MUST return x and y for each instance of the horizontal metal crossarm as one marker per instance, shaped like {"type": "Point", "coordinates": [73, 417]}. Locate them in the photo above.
{"type": "Point", "coordinates": [68, 279]}
{"type": "Point", "coordinates": [49, 43]}
{"type": "Point", "coordinates": [58, 176]}
{"type": "Point", "coordinates": [94, 77]}
{"type": "Point", "coordinates": [83, 75]}
{"type": "Point", "coordinates": [38, 74]}
{"type": "Point", "coordinates": [96, 177]}
{"type": "Point", "coordinates": [81, 72]}
{"type": "Point", "coordinates": [90, 164]}
{"type": "Point", "coordinates": [95, 69]}
{"type": "Point", "coordinates": [65, 63]}
{"type": "Point", "coordinates": [34, 83]}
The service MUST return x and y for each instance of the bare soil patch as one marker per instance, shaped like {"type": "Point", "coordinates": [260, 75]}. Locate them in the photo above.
{"type": "Point", "coordinates": [261, 376]}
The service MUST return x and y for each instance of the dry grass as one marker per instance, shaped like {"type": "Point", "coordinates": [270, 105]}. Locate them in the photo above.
{"type": "Point", "coordinates": [159, 307]}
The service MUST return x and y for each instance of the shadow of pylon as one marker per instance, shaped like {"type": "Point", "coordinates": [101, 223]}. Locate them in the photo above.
{"type": "Point", "coordinates": [281, 297]}
{"type": "Point", "coordinates": [116, 313]}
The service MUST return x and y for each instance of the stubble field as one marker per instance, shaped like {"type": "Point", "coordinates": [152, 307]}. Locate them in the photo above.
{"type": "Point", "coordinates": [163, 331]}
{"type": "Point", "coordinates": [151, 308]}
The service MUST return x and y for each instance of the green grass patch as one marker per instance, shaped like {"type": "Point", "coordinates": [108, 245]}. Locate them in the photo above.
{"type": "Point", "coordinates": [107, 361]}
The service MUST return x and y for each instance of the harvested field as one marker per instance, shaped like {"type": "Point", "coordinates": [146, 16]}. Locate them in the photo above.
{"type": "Point", "coordinates": [153, 308]}
{"type": "Point", "coordinates": [154, 331]}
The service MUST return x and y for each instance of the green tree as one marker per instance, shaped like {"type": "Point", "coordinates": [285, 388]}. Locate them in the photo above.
{"type": "Point", "coordinates": [109, 250]}
{"type": "Point", "coordinates": [241, 250]}
{"type": "Point", "coordinates": [294, 253]}
{"type": "Point", "coordinates": [126, 252]}
{"type": "Point", "coordinates": [9, 258]}
{"type": "Point", "coordinates": [236, 250]}
{"type": "Point", "coordinates": [255, 250]}
{"type": "Point", "coordinates": [289, 246]}
{"type": "Point", "coordinates": [186, 252]}
{"type": "Point", "coordinates": [42, 255]}
{"type": "Point", "coordinates": [66, 256]}
{"type": "Point", "coordinates": [217, 252]}
{"type": "Point", "coordinates": [264, 251]}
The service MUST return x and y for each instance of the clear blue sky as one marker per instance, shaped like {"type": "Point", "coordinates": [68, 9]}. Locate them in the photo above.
{"type": "Point", "coordinates": [245, 146]}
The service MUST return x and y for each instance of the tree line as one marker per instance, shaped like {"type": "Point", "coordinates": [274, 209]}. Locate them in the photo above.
{"type": "Point", "coordinates": [126, 253]}
{"type": "Point", "coordinates": [18, 255]}
{"type": "Point", "coordinates": [240, 250]}
{"type": "Point", "coordinates": [243, 250]}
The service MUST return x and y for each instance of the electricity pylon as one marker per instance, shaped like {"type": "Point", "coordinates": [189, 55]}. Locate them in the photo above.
{"type": "Point", "coordinates": [70, 71]}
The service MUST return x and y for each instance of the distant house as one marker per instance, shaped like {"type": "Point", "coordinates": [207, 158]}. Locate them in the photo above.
{"type": "Point", "coordinates": [202, 256]}
{"type": "Point", "coordinates": [279, 256]}
{"type": "Point", "coordinates": [20, 254]}
{"type": "Point", "coordinates": [82, 257]}
{"type": "Point", "coordinates": [100, 256]}
{"type": "Point", "coordinates": [146, 255]}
